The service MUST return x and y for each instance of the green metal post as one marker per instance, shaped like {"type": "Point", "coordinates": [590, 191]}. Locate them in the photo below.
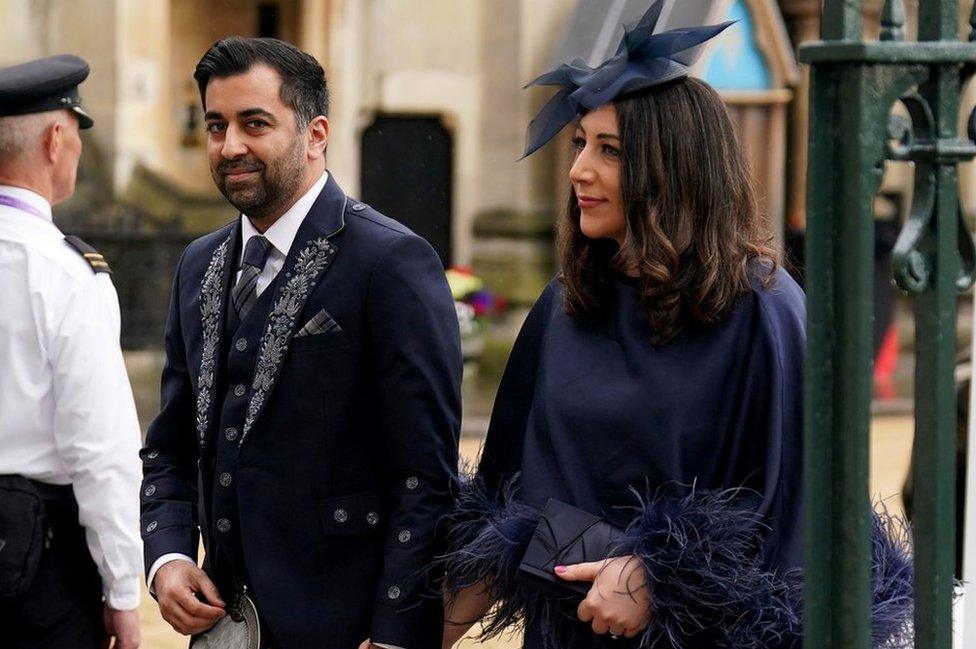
{"type": "Point", "coordinates": [842, 21]}
{"type": "Point", "coordinates": [844, 175]}
{"type": "Point", "coordinates": [935, 335]}
{"type": "Point", "coordinates": [853, 87]}
{"type": "Point", "coordinates": [837, 456]}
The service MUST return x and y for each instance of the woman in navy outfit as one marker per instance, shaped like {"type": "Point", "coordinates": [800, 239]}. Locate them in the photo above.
{"type": "Point", "coordinates": [657, 383]}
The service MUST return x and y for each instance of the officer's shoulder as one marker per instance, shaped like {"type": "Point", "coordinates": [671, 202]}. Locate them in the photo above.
{"type": "Point", "coordinates": [95, 260]}
{"type": "Point", "coordinates": [57, 258]}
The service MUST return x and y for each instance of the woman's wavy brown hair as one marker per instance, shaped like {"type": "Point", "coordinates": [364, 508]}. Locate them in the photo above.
{"type": "Point", "coordinates": [693, 228]}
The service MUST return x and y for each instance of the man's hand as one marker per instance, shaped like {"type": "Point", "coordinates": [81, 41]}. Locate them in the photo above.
{"type": "Point", "coordinates": [366, 644]}
{"type": "Point", "coordinates": [123, 627]}
{"type": "Point", "coordinates": [618, 602]}
{"type": "Point", "coordinates": [177, 585]}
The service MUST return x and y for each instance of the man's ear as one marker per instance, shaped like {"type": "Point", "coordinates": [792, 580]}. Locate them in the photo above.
{"type": "Point", "coordinates": [52, 141]}
{"type": "Point", "coordinates": [318, 137]}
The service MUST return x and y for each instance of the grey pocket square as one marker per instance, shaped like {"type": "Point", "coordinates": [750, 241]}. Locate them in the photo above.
{"type": "Point", "coordinates": [320, 323]}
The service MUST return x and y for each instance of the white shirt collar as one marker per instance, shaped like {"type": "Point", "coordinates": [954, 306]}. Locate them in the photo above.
{"type": "Point", "coordinates": [33, 199]}
{"type": "Point", "coordinates": [282, 232]}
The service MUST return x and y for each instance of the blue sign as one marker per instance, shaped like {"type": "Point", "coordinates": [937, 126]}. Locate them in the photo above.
{"type": "Point", "coordinates": [734, 62]}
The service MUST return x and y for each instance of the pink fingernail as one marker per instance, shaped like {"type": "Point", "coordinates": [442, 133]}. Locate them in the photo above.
{"type": "Point", "coordinates": [560, 569]}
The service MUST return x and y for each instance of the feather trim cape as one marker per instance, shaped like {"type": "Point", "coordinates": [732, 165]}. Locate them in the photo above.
{"type": "Point", "coordinates": [702, 555]}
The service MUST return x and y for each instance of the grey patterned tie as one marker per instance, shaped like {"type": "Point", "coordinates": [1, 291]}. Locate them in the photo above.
{"type": "Point", "coordinates": [245, 291]}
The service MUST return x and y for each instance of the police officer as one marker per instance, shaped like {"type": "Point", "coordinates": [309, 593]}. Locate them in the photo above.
{"type": "Point", "coordinates": [70, 553]}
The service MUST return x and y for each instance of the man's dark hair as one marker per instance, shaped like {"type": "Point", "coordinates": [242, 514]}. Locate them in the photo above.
{"type": "Point", "coordinates": [303, 85]}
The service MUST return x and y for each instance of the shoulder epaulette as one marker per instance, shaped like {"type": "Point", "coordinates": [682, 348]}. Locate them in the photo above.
{"type": "Point", "coordinates": [92, 256]}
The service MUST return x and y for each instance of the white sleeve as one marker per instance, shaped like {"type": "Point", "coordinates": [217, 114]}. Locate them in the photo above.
{"type": "Point", "coordinates": [97, 435]}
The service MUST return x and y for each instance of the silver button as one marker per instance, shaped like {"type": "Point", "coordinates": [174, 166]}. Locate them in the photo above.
{"type": "Point", "coordinates": [404, 536]}
{"type": "Point", "coordinates": [413, 482]}
{"type": "Point", "coordinates": [393, 592]}
{"type": "Point", "coordinates": [241, 344]}
{"type": "Point", "coordinates": [359, 207]}
{"type": "Point", "coordinates": [239, 390]}
{"type": "Point", "coordinates": [372, 518]}
{"type": "Point", "coordinates": [230, 434]}
{"type": "Point", "coordinates": [150, 490]}
{"type": "Point", "coordinates": [223, 525]}
{"type": "Point", "coordinates": [340, 515]}
{"type": "Point", "coordinates": [152, 526]}
{"type": "Point", "coordinates": [152, 455]}
{"type": "Point", "coordinates": [225, 479]}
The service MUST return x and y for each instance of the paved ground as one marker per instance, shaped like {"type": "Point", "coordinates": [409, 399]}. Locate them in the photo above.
{"type": "Point", "coordinates": [890, 451]}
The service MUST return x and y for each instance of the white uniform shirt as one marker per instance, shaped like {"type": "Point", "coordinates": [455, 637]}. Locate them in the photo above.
{"type": "Point", "coordinates": [66, 409]}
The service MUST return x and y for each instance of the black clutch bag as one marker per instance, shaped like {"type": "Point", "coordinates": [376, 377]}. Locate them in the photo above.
{"type": "Point", "coordinates": [565, 535]}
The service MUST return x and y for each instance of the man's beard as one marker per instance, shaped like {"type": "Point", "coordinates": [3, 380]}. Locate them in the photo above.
{"type": "Point", "coordinates": [274, 186]}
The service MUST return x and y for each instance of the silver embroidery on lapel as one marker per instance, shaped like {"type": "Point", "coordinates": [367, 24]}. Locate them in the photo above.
{"type": "Point", "coordinates": [211, 295]}
{"type": "Point", "coordinates": [281, 323]}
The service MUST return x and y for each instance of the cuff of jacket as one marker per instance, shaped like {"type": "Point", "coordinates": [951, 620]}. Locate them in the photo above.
{"type": "Point", "coordinates": [411, 620]}
{"type": "Point", "coordinates": [702, 554]}
{"type": "Point", "coordinates": [174, 539]}
{"type": "Point", "coordinates": [892, 580]}
{"type": "Point", "coordinates": [487, 533]}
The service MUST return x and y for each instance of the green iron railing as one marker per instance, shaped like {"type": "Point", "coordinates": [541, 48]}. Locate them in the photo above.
{"type": "Point", "coordinates": [854, 84]}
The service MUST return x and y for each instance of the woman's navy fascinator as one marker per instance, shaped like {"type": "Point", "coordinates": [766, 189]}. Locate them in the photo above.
{"type": "Point", "coordinates": [643, 60]}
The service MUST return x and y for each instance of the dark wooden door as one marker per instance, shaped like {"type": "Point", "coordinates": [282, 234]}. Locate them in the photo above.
{"type": "Point", "coordinates": [406, 174]}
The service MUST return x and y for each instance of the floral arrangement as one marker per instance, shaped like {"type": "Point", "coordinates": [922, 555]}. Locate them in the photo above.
{"type": "Point", "coordinates": [474, 303]}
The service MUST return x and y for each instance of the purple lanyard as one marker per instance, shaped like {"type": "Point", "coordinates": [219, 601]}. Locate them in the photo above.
{"type": "Point", "coordinates": [18, 204]}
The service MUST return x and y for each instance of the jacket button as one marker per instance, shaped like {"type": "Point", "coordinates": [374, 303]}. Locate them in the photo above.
{"type": "Point", "coordinates": [340, 515]}
{"type": "Point", "coordinates": [152, 526]}
{"type": "Point", "coordinates": [223, 525]}
{"type": "Point", "coordinates": [152, 455]}
{"type": "Point", "coordinates": [372, 518]}
{"type": "Point", "coordinates": [150, 490]}
{"type": "Point", "coordinates": [230, 434]}
{"type": "Point", "coordinates": [358, 207]}
{"type": "Point", "coordinates": [241, 344]}
{"type": "Point", "coordinates": [225, 479]}
{"type": "Point", "coordinates": [413, 482]}
{"type": "Point", "coordinates": [239, 390]}
{"type": "Point", "coordinates": [393, 592]}
{"type": "Point", "coordinates": [404, 536]}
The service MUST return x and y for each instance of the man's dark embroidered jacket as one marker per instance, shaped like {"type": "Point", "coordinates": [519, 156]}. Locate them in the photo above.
{"type": "Point", "coordinates": [317, 466]}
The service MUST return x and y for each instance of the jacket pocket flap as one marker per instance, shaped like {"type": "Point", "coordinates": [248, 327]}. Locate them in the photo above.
{"type": "Point", "coordinates": [356, 514]}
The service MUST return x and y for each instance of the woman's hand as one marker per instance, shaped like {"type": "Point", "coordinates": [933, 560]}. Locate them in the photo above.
{"type": "Point", "coordinates": [618, 602]}
{"type": "Point", "coordinates": [460, 614]}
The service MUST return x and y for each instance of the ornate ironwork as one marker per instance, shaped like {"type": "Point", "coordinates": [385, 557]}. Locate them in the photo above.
{"type": "Point", "coordinates": [853, 85]}
{"type": "Point", "coordinates": [893, 21]}
{"type": "Point", "coordinates": [914, 140]}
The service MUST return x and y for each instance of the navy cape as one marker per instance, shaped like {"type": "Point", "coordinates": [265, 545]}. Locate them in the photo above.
{"type": "Point", "coordinates": [593, 413]}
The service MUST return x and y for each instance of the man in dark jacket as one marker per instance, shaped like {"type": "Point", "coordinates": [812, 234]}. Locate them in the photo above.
{"type": "Point", "coordinates": [310, 399]}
